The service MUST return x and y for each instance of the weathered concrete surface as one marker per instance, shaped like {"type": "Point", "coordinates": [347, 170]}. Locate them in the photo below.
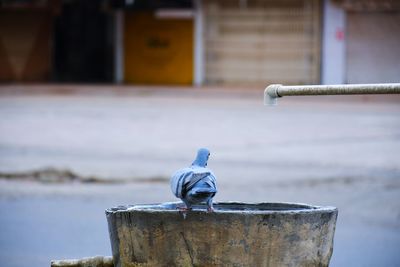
{"type": "Point", "coordinates": [97, 261]}
{"type": "Point", "coordinates": [236, 234]}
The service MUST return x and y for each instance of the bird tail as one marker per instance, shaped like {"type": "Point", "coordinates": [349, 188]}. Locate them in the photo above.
{"type": "Point", "coordinates": [205, 190]}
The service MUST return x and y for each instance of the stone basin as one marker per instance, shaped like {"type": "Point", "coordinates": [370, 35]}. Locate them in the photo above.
{"type": "Point", "coordinates": [235, 234]}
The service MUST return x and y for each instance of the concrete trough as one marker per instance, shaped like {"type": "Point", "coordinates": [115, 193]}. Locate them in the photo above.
{"type": "Point", "coordinates": [236, 234]}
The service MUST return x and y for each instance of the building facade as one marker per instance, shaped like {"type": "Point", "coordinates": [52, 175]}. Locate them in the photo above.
{"type": "Point", "coordinates": [200, 42]}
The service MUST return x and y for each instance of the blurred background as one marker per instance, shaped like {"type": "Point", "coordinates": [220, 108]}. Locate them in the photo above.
{"type": "Point", "coordinates": [199, 42]}
{"type": "Point", "coordinates": [101, 101]}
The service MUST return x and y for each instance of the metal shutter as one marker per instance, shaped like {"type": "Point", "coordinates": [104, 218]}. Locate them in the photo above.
{"type": "Point", "coordinates": [262, 41]}
{"type": "Point", "coordinates": [373, 47]}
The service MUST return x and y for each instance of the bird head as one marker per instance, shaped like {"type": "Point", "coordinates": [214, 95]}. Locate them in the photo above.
{"type": "Point", "coordinates": [202, 157]}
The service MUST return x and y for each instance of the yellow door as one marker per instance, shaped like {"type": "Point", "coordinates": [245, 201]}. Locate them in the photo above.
{"type": "Point", "coordinates": [157, 51]}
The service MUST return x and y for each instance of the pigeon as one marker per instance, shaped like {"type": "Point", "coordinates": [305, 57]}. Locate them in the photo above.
{"type": "Point", "coordinates": [195, 184]}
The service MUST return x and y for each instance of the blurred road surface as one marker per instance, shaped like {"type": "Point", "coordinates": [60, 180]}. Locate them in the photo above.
{"type": "Point", "coordinates": [339, 151]}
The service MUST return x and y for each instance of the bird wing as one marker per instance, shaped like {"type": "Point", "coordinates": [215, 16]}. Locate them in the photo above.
{"type": "Point", "coordinates": [179, 179]}
{"type": "Point", "coordinates": [196, 177]}
{"type": "Point", "coordinates": [185, 179]}
{"type": "Point", "coordinates": [212, 181]}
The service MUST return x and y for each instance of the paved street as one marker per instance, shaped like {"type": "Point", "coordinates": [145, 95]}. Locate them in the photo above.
{"type": "Point", "coordinates": [337, 151]}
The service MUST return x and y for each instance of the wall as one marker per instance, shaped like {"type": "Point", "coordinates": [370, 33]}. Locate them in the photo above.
{"type": "Point", "coordinates": [334, 44]}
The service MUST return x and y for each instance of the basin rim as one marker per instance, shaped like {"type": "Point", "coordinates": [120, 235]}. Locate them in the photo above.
{"type": "Point", "coordinates": [226, 208]}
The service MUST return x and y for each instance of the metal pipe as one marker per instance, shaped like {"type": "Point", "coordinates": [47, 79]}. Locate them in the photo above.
{"type": "Point", "coordinates": [273, 91]}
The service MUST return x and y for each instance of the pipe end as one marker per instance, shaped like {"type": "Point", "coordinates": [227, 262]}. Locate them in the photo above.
{"type": "Point", "coordinates": [271, 95]}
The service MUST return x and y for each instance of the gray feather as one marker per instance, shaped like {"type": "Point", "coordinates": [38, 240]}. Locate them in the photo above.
{"type": "Point", "coordinates": [195, 184]}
